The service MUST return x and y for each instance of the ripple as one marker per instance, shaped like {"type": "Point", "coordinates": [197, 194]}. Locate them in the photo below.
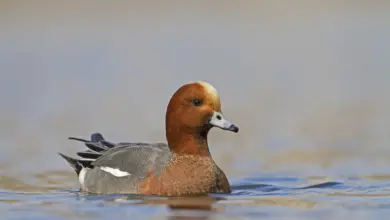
{"type": "Point", "coordinates": [252, 197]}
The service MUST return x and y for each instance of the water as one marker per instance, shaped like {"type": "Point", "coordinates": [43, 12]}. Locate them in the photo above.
{"type": "Point", "coordinates": [307, 83]}
{"type": "Point", "coordinates": [252, 199]}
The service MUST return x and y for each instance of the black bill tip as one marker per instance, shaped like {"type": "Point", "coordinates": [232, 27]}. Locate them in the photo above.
{"type": "Point", "coordinates": [233, 128]}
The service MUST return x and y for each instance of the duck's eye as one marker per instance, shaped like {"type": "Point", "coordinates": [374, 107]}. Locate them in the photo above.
{"type": "Point", "coordinates": [197, 102]}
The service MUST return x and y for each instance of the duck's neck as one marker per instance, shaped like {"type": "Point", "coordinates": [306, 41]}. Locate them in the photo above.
{"type": "Point", "coordinates": [184, 141]}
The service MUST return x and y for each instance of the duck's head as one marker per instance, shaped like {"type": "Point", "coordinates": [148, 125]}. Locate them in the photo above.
{"type": "Point", "coordinates": [193, 110]}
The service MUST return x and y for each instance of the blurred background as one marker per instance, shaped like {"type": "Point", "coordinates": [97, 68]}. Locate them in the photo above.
{"type": "Point", "coordinates": [307, 82]}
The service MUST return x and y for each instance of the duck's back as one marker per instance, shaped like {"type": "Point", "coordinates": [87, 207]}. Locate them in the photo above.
{"type": "Point", "coordinates": [120, 169]}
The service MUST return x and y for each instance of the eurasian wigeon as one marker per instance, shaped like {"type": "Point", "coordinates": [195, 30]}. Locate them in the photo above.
{"type": "Point", "coordinates": [184, 166]}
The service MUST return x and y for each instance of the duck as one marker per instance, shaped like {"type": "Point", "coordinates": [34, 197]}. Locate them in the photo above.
{"type": "Point", "coordinates": [183, 166]}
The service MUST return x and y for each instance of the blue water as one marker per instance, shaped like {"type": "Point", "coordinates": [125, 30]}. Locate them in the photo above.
{"type": "Point", "coordinates": [252, 198]}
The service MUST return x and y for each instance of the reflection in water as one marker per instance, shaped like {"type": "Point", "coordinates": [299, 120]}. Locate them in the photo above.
{"type": "Point", "coordinates": [195, 202]}
{"type": "Point", "coordinates": [52, 193]}
{"type": "Point", "coordinates": [260, 198]}
{"type": "Point", "coordinates": [179, 206]}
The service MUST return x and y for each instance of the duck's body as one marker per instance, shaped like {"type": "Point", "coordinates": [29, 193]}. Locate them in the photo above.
{"type": "Point", "coordinates": [142, 168]}
{"type": "Point", "coordinates": [184, 166]}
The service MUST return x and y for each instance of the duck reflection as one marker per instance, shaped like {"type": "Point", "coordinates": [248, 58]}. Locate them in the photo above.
{"type": "Point", "coordinates": [193, 208]}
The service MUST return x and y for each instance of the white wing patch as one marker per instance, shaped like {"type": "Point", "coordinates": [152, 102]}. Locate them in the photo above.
{"type": "Point", "coordinates": [82, 176]}
{"type": "Point", "coordinates": [114, 171]}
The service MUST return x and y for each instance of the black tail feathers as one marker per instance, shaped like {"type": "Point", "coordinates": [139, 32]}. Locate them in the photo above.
{"type": "Point", "coordinates": [97, 145]}
{"type": "Point", "coordinates": [74, 163]}
{"type": "Point", "coordinates": [96, 137]}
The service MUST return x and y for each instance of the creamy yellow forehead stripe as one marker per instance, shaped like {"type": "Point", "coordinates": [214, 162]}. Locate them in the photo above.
{"type": "Point", "coordinates": [209, 89]}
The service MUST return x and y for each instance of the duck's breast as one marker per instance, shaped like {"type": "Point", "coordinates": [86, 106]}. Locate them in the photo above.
{"type": "Point", "coordinates": [187, 175]}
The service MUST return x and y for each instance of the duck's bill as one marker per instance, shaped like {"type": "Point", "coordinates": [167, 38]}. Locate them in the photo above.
{"type": "Point", "coordinates": [217, 120]}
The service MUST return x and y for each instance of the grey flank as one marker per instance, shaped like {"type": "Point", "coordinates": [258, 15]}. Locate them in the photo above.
{"type": "Point", "coordinates": [137, 159]}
